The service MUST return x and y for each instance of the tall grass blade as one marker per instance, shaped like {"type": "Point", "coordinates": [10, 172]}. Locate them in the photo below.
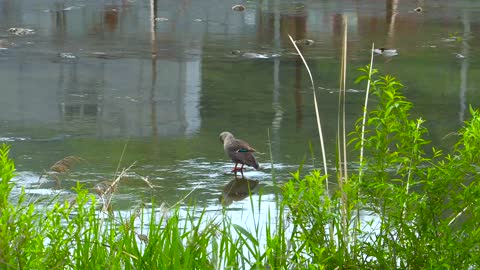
{"type": "Point", "coordinates": [409, 173]}
{"type": "Point", "coordinates": [362, 141]}
{"type": "Point", "coordinates": [364, 119]}
{"type": "Point", "coordinates": [344, 78]}
{"type": "Point", "coordinates": [457, 215]}
{"type": "Point", "coordinates": [342, 175]}
{"type": "Point", "coordinates": [317, 114]}
{"type": "Point", "coordinates": [111, 188]}
{"type": "Point", "coordinates": [121, 157]}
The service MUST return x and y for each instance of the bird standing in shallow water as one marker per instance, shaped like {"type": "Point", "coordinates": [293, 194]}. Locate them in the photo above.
{"type": "Point", "coordinates": [239, 151]}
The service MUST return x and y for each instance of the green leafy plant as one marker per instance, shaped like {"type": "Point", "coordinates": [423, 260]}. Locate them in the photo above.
{"type": "Point", "coordinates": [418, 206]}
{"type": "Point", "coordinates": [76, 235]}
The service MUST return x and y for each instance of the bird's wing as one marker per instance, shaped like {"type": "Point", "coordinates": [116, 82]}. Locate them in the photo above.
{"type": "Point", "coordinates": [241, 146]}
{"type": "Point", "coordinates": [245, 157]}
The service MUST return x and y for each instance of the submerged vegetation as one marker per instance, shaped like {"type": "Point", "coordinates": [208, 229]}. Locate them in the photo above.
{"type": "Point", "coordinates": [406, 205]}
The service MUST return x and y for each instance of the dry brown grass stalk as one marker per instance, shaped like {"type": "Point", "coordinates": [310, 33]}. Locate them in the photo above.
{"type": "Point", "coordinates": [65, 165]}
{"type": "Point", "coordinates": [110, 189]}
{"type": "Point", "coordinates": [317, 114]}
{"type": "Point", "coordinates": [341, 137]}
{"type": "Point", "coordinates": [105, 188]}
{"type": "Point", "coordinates": [62, 166]}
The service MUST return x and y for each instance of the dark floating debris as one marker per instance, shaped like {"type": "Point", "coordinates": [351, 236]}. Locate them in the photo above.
{"type": "Point", "coordinates": [251, 55]}
{"type": "Point", "coordinates": [70, 8]}
{"type": "Point", "coordinates": [255, 55]}
{"type": "Point", "coordinates": [305, 41]}
{"type": "Point", "coordinates": [418, 10]}
{"type": "Point", "coordinates": [12, 139]}
{"type": "Point", "coordinates": [21, 31]}
{"type": "Point", "coordinates": [238, 8]}
{"type": "Point", "coordinates": [386, 52]}
{"type": "Point", "coordinates": [103, 55]}
{"type": "Point", "coordinates": [453, 37]}
{"type": "Point", "coordinates": [67, 56]}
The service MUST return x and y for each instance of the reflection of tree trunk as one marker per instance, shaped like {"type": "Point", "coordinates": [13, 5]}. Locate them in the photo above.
{"type": "Point", "coordinates": [61, 93]}
{"type": "Point", "coordinates": [392, 6]}
{"type": "Point", "coordinates": [300, 31]}
{"type": "Point", "coordinates": [60, 20]}
{"type": "Point", "coordinates": [464, 67]}
{"type": "Point", "coordinates": [337, 27]}
{"type": "Point", "coordinates": [21, 95]}
{"type": "Point", "coordinates": [110, 18]}
{"type": "Point", "coordinates": [296, 26]}
{"type": "Point", "coordinates": [298, 95]}
{"type": "Point", "coordinates": [103, 83]}
{"type": "Point", "coordinates": [277, 107]}
{"type": "Point", "coordinates": [153, 38]}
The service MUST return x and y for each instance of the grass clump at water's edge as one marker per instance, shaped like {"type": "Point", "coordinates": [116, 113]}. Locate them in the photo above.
{"type": "Point", "coordinates": [74, 235]}
{"type": "Point", "coordinates": [407, 206]}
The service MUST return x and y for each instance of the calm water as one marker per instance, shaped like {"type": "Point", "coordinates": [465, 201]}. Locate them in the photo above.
{"type": "Point", "coordinates": [161, 80]}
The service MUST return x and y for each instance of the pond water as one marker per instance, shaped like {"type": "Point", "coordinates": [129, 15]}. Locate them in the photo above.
{"type": "Point", "coordinates": [159, 80]}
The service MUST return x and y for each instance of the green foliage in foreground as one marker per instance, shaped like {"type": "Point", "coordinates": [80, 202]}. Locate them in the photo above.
{"type": "Point", "coordinates": [407, 206]}
{"type": "Point", "coordinates": [426, 207]}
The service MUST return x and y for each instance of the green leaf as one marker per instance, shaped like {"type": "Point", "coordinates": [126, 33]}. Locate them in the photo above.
{"type": "Point", "coordinates": [247, 234]}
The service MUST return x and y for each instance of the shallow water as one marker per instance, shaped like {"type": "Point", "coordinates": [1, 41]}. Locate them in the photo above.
{"type": "Point", "coordinates": [95, 78]}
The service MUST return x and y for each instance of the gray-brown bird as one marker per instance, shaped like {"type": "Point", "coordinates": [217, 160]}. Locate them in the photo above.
{"type": "Point", "coordinates": [239, 151]}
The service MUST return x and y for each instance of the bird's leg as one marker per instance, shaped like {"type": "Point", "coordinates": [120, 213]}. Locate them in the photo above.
{"type": "Point", "coordinates": [241, 168]}
{"type": "Point", "coordinates": [235, 169]}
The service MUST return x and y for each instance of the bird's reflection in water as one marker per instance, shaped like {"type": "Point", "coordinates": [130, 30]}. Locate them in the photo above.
{"type": "Point", "coordinates": [237, 190]}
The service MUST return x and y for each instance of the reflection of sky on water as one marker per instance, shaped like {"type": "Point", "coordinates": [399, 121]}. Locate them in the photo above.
{"type": "Point", "coordinates": [131, 68]}
{"type": "Point", "coordinates": [107, 86]}
{"type": "Point", "coordinates": [203, 181]}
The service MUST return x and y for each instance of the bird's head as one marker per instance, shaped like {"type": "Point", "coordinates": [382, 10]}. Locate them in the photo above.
{"type": "Point", "coordinates": [224, 135]}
